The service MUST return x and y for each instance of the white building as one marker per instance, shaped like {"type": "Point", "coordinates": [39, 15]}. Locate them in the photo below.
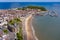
{"type": "Point", "coordinates": [3, 22]}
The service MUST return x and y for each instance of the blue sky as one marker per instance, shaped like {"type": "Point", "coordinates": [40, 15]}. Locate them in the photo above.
{"type": "Point", "coordinates": [29, 0]}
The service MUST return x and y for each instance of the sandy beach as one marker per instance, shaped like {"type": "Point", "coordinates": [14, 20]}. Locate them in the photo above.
{"type": "Point", "coordinates": [30, 34]}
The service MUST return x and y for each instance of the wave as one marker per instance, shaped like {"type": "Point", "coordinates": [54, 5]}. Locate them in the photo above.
{"type": "Point", "coordinates": [33, 30]}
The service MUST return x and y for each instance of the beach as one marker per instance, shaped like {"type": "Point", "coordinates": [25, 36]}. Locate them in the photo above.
{"type": "Point", "coordinates": [29, 29]}
{"type": "Point", "coordinates": [47, 27]}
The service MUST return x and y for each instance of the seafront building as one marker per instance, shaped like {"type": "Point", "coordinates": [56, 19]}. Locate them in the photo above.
{"type": "Point", "coordinates": [3, 22]}
{"type": "Point", "coordinates": [7, 15]}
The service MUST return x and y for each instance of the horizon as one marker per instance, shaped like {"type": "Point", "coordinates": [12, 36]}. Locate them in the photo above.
{"type": "Point", "coordinates": [29, 20]}
{"type": "Point", "coordinates": [29, 0]}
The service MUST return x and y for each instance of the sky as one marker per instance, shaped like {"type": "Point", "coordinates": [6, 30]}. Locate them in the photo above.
{"type": "Point", "coordinates": [29, 0]}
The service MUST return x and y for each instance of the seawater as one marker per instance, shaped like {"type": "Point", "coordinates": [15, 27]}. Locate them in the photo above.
{"type": "Point", "coordinates": [46, 27]}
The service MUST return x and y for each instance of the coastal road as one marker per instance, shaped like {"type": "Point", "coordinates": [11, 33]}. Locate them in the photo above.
{"type": "Point", "coordinates": [24, 31]}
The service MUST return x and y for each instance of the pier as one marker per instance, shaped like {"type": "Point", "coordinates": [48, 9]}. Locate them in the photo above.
{"type": "Point", "coordinates": [52, 13]}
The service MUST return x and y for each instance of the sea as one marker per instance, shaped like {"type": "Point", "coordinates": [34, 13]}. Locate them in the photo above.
{"type": "Point", "coordinates": [46, 27]}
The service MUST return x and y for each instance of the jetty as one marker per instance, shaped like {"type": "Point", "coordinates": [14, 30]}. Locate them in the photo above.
{"type": "Point", "coordinates": [52, 13]}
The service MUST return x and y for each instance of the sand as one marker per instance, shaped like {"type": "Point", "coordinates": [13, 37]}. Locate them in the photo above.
{"type": "Point", "coordinates": [30, 34]}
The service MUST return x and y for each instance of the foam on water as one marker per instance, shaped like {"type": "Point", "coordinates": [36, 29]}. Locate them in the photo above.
{"type": "Point", "coordinates": [33, 29]}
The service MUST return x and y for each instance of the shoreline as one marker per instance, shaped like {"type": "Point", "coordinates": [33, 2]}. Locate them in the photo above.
{"type": "Point", "coordinates": [29, 29]}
